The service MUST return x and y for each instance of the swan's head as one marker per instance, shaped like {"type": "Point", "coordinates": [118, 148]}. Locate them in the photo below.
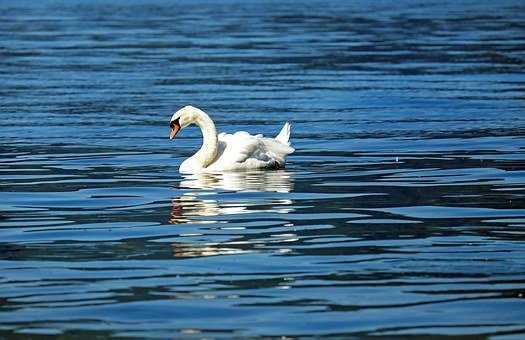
{"type": "Point", "coordinates": [182, 118]}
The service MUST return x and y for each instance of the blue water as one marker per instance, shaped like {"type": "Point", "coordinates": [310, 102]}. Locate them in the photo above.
{"type": "Point", "coordinates": [401, 213]}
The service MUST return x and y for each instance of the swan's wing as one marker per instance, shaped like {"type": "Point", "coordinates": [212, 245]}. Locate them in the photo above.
{"type": "Point", "coordinates": [238, 147]}
{"type": "Point", "coordinates": [284, 136]}
{"type": "Point", "coordinates": [242, 150]}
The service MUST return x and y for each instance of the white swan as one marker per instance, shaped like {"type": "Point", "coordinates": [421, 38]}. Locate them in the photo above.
{"type": "Point", "coordinates": [224, 152]}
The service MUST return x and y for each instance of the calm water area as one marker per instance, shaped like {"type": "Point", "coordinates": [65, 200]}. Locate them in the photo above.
{"type": "Point", "coordinates": [401, 213]}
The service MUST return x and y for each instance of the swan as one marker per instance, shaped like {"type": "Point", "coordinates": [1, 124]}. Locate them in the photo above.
{"type": "Point", "coordinates": [225, 152]}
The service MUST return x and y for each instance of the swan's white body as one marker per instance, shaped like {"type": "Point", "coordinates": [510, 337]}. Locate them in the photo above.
{"type": "Point", "coordinates": [226, 152]}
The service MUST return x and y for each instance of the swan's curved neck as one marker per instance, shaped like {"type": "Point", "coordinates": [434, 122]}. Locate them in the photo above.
{"type": "Point", "coordinates": [208, 151]}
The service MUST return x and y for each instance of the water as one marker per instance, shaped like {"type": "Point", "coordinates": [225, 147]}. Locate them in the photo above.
{"type": "Point", "coordinates": [401, 213]}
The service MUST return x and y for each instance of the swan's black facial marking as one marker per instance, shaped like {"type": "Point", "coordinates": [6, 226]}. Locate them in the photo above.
{"type": "Point", "coordinates": [174, 123]}
{"type": "Point", "coordinates": [175, 128]}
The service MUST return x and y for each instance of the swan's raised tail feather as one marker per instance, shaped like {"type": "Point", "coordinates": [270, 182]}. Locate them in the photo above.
{"type": "Point", "coordinates": [284, 136]}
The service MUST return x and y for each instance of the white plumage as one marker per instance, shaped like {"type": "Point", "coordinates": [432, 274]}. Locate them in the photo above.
{"type": "Point", "coordinates": [224, 152]}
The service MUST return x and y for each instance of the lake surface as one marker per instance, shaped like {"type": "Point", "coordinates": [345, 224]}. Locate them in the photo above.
{"type": "Point", "coordinates": [401, 213]}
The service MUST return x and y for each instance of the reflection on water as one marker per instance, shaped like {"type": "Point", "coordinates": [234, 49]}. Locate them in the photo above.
{"type": "Point", "coordinates": [189, 206]}
{"type": "Point", "coordinates": [277, 180]}
{"type": "Point", "coordinates": [198, 250]}
{"type": "Point", "coordinates": [402, 206]}
{"type": "Point", "coordinates": [196, 207]}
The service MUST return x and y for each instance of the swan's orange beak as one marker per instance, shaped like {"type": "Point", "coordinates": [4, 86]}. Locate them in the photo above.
{"type": "Point", "coordinates": [175, 128]}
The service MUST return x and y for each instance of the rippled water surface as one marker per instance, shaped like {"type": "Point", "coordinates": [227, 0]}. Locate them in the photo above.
{"type": "Point", "coordinates": [401, 213]}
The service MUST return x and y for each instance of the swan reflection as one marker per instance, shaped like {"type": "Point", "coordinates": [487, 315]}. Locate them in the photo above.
{"type": "Point", "coordinates": [219, 199]}
{"type": "Point", "coordinates": [272, 181]}
{"type": "Point", "coordinates": [196, 207]}
{"type": "Point", "coordinates": [201, 250]}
